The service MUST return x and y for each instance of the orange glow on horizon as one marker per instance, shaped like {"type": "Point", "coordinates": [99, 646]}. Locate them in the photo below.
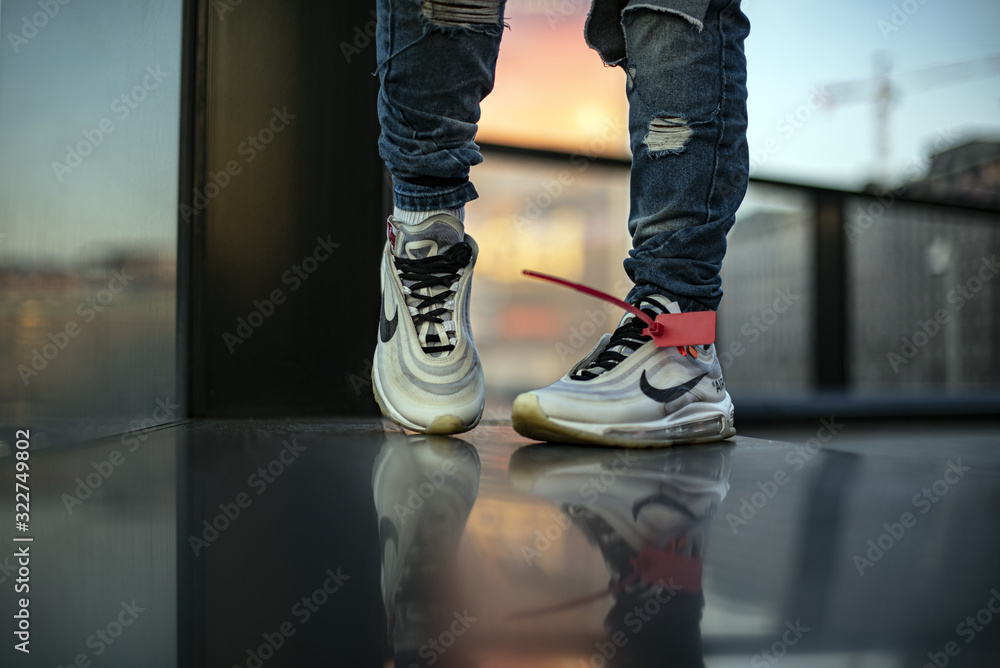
{"type": "Point", "coordinates": [553, 92]}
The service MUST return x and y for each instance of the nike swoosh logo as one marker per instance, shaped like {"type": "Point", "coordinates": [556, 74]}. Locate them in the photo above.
{"type": "Point", "coordinates": [386, 327]}
{"type": "Point", "coordinates": [669, 394]}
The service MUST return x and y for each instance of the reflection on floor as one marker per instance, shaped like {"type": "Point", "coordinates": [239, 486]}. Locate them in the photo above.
{"type": "Point", "coordinates": [261, 544]}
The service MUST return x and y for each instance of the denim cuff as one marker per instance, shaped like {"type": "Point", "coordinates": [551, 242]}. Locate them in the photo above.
{"type": "Point", "coordinates": [427, 198]}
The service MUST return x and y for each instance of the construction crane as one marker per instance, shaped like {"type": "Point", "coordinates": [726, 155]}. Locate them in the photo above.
{"type": "Point", "coordinates": [883, 89]}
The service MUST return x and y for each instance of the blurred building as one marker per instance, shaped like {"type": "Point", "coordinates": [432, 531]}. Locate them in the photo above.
{"type": "Point", "coordinates": [968, 173]}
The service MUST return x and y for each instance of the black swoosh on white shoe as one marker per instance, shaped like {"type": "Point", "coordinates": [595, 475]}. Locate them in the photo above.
{"type": "Point", "coordinates": [386, 327]}
{"type": "Point", "coordinates": [669, 394]}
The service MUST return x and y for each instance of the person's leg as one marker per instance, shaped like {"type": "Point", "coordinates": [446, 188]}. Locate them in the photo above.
{"type": "Point", "coordinates": [436, 62]}
{"type": "Point", "coordinates": [686, 84]}
{"type": "Point", "coordinates": [687, 122]}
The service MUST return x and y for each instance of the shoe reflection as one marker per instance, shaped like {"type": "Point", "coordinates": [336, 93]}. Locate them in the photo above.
{"type": "Point", "coordinates": [424, 489]}
{"type": "Point", "coordinates": [648, 512]}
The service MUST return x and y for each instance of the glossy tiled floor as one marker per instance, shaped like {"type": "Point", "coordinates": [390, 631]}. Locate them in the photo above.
{"type": "Point", "coordinates": [258, 544]}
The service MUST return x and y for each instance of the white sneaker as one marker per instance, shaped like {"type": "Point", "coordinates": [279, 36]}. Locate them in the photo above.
{"type": "Point", "coordinates": [426, 374]}
{"type": "Point", "coordinates": [630, 501]}
{"type": "Point", "coordinates": [649, 512]}
{"type": "Point", "coordinates": [424, 489]}
{"type": "Point", "coordinates": [628, 392]}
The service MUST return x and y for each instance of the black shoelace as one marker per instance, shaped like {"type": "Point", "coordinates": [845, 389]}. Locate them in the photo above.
{"type": "Point", "coordinates": [628, 335]}
{"type": "Point", "coordinates": [429, 272]}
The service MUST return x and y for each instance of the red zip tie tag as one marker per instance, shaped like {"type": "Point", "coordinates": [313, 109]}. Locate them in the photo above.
{"type": "Point", "coordinates": [696, 328]}
{"type": "Point", "coordinates": [676, 330]}
{"type": "Point", "coordinates": [675, 570]}
{"type": "Point", "coordinates": [390, 234]}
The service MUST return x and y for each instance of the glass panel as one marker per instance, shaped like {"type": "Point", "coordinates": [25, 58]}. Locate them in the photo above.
{"type": "Point", "coordinates": [924, 306]}
{"type": "Point", "coordinates": [89, 124]}
{"type": "Point", "coordinates": [765, 331]}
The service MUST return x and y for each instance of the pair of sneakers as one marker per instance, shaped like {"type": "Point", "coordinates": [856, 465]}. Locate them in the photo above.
{"type": "Point", "coordinates": [427, 376]}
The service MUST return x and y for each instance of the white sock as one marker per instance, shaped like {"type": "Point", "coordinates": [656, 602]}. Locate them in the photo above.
{"type": "Point", "coordinates": [415, 217]}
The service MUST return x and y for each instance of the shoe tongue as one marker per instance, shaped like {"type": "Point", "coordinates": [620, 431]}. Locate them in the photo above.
{"type": "Point", "coordinates": [432, 237]}
{"type": "Point", "coordinates": [655, 304]}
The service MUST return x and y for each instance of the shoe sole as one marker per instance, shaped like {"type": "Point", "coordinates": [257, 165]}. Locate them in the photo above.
{"type": "Point", "coordinates": [530, 421]}
{"type": "Point", "coordinates": [441, 425]}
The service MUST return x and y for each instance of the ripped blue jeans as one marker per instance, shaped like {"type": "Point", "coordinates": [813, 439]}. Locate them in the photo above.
{"type": "Point", "coordinates": [686, 87]}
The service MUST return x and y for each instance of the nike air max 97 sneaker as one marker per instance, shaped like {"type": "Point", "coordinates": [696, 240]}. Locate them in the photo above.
{"type": "Point", "coordinates": [629, 392]}
{"type": "Point", "coordinates": [426, 374]}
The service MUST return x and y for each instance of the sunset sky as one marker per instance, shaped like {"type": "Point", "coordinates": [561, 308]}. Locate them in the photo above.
{"type": "Point", "coordinates": [554, 92]}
